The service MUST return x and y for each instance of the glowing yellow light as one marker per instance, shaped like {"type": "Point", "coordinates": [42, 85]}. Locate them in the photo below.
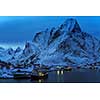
{"type": "Point", "coordinates": [62, 72]}
{"type": "Point", "coordinates": [40, 81]}
{"type": "Point", "coordinates": [40, 74]}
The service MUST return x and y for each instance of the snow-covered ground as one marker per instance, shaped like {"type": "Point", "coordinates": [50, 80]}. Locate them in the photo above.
{"type": "Point", "coordinates": [8, 73]}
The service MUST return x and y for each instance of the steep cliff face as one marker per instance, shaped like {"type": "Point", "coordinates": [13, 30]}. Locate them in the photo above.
{"type": "Point", "coordinates": [67, 44]}
{"type": "Point", "coordinates": [64, 45]}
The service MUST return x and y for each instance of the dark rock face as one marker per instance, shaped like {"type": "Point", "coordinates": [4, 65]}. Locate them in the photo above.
{"type": "Point", "coordinates": [76, 28]}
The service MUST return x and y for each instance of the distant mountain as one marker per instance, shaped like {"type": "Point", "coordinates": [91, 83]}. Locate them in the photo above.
{"type": "Point", "coordinates": [18, 50]}
{"type": "Point", "coordinates": [64, 45]}
{"type": "Point", "coordinates": [7, 55]}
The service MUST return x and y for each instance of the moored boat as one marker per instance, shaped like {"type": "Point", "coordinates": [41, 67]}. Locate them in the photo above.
{"type": "Point", "coordinates": [36, 75]}
{"type": "Point", "coordinates": [21, 75]}
{"type": "Point", "coordinates": [68, 68]}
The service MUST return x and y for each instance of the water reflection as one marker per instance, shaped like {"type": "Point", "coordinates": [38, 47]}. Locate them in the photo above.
{"type": "Point", "coordinates": [40, 81]}
{"type": "Point", "coordinates": [58, 72]}
{"type": "Point", "coordinates": [62, 76]}
{"type": "Point", "coordinates": [62, 72]}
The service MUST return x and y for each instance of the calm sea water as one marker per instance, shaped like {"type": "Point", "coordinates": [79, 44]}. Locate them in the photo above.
{"type": "Point", "coordinates": [76, 76]}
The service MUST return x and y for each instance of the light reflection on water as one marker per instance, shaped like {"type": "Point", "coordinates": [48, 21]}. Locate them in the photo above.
{"type": "Point", "coordinates": [62, 77]}
{"type": "Point", "coordinates": [62, 72]}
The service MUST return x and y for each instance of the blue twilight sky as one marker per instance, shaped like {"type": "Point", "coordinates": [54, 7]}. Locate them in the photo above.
{"type": "Point", "coordinates": [19, 29]}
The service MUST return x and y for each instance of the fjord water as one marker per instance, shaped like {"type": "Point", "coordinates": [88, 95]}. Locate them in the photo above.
{"type": "Point", "coordinates": [78, 76]}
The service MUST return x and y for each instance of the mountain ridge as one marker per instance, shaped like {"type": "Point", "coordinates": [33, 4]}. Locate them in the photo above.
{"type": "Point", "coordinates": [65, 45]}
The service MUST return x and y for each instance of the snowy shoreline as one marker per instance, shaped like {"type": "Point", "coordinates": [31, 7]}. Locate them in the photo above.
{"type": "Point", "coordinates": [9, 73]}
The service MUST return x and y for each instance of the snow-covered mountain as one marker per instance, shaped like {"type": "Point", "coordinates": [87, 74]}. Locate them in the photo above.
{"type": "Point", "coordinates": [67, 44]}
{"type": "Point", "coordinates": [9, 54]}
{"type": "Point", "coordinates": [64, 45]}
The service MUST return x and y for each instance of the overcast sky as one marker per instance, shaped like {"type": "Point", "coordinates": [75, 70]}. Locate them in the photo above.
{"type": "Point", "coordinates": [20, 29]}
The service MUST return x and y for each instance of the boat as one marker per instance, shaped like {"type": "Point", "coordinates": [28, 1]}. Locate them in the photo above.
{"type": "Point", "coordinates": [20, 73]}
{"type": "Point", "coordinates": [36, 75]}
{"type": "Point", "coordinates": [68, 68]}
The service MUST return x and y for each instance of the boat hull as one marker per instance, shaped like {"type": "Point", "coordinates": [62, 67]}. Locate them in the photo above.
{"type": "Point", "coordinates": [21, 76]}
{"type": "Point", "coordinates": [36, 77]}
{"type": "Point", "coordinates": [68, 69]}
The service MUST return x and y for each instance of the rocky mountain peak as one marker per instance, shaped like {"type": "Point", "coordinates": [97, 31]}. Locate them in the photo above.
{"type": "Point", "coordinates": [18, 50]}
{"type": "Point", "coordinates": [71, 25]}
{"type": "Point", "coordinates": [10, 51]}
